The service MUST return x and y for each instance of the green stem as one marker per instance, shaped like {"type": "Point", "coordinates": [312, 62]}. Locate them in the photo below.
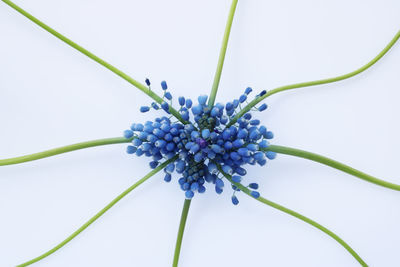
{"type": "Point", "coordinates": [332, 163]}
{"type": "Point", "coordinates": [64, 149]}
{"type": "Point", "coordinates": [182, 224]}
{"type": "Point", "coordinates": [222, 54]}
{"type": "Point", "coordinates": [317, 82]}
{"type": "Point", "coordinates": [118, 72]}
{"type": "Point", "coordinates": [100, 213]}
{"type": "Point", "coordinates": [298, 216]}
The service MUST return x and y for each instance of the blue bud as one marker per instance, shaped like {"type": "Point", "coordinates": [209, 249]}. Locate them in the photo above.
{"type": "Point", "coordinates": [263, 92]}
{"type": "Point", "coordinates": [255, 194]}
{"type": "Point", "coordinates": [270, 155]}
{"type": "Point", "coordinates": [244, 152]}
{"type": "Point", "coordinates": [216, 148]}
{"type": "Point", "coordinates": [153, 164]}
{"type": "Point", "coordinates": [202, 99]}
{"type": "Point", "coordinates": [205, 133]}
{"type": "Point", "coordinates": [236, 179]}
{"type": "Point", "coordinates": [181, 100]}
{"type": "Point", "coordinates": [238, 143]}
{"type": "Point", "coordinates": [167, 178]}
{"type": "Point", "coordinates": [229, 106]}
{"type": "Point", "coordinates": [218, 190]}
{"type": "Point", "coordinates": [214, 112]}
{"type": "Point", "coordinates": [194, 148]}
{"type": "Point", "coordinates": [201, 189]}
{"type": "Point", "coordinates": [131, 149]}
{"type": "Point", "coordinates": [242, 98]}
{"type": "Point", "coordinates": [128, 134]}
{"type": "Point", "coordinates": [212, 168]}
{"type": "Point", "coordinates": [269, 135]}
{"type": "Point", "coordinates": [144, 109]}
{"type": "Point", "coordinates": [164, 85]}
{"type": "Point", "coordinates": [263, 107]}
{"type": "Point", "coordinates": [235, 200]}
{"type": "Point", "coordinates": [227, 169]}
{"type": "Point", "coordinates": [263, 144]}
{"type": "Point", "coordinates": [189, 194]}
{"type": "Point", "coordinates": [147, 82]}
{"type": "Point", "coordinates": [197, 110]}
{"type": "Point", "coordinates": [168, 95]}
{"type": "Point", "coordinates": [155, 106]}
{"type": "Point", "coordinates": [241, 171]}
{"type": "Point", "coordinates": [170, 168]}
{"type": "Point", "coordinates": [248, 90]}
{"type": "Point", "coordinates": [165, 107]}
{"type": "Point", "coordinates": [194, 186]}
{"type": "Point", "coordinates": [242, 134]}
{"type": "Point", "coordinates": [189, 103]}
{"type": "Point", "coordinates": [253, 186]}
{"type": "Point", "coordinates": [254, 122]}
{"type": "Point", "coordinates": [137, 142]}
{"type": "Point", "coordinates": [235, 103]}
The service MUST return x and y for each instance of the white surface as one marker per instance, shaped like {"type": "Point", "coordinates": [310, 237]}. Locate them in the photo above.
{"type": "Point", "coordinates": [51, 95]}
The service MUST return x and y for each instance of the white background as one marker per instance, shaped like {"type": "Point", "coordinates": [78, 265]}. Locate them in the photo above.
{"type": "Point", "coordinates": [51, 95]}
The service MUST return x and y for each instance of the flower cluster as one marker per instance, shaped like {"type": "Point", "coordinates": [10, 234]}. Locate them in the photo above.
{"type": "Point", "coordinates": [207, 142]}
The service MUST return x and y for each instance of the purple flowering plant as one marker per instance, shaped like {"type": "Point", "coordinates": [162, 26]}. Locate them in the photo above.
{"type": "Point", "coordinates": [202, 145]}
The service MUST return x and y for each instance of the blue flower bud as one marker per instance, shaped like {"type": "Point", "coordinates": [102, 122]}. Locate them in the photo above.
{"type": "Point", "coordinates": [181, 100]}
{"type": "Point", "coordinates": [153, 164]}
{"type": "Point", "coordinates": [235, 200]}
{"type": "Point", "coordinates": [164, 85]}
{"type": "Point", "coordinates": [242, 134]}
{"type": "Point", "coordinates": [197, 110]}
{"type": "Point", "coordinates": [201, 189]}
{"type": "Point", "coordinates": [244, 152]}
{"type": "Point", "coordinates": [144, 109]}
{"type": "Point", "coordinates": [238, 143]}
{"type": "Point", "coordinates": [189, 194]}
{"type": "Point", "coordinates": [254, 122]}
{"type": "Point", "coordinates": [236, 179]}
{"type": "Point", "coordinates": [189, 103]}
{"type": "Point", "coordinates": [227, 169]}
{"type": "Point", "coordinates": [165, 107]}
{"type": "Point", "coordinates": [263, 107]}
{"type": "Point", "coordinates": [248, 90]}
{"type": "Point", "coordinates": [242, 98]}
{"type": "Point", "coordinates": [253, 186]}
{"type": "Point", "coordinates": [131, 149]}
{"type": "Point", "coordinates": [212, 168]}
{"type": "Point", "coordinates": [269, 135]}
{"type": "Point", "coordinates": [263, 92]}
{"type": "Point", "coordinates": [168, 95]}
{"type": "Point", "coordinates": [194, 148]}
{"type": "Point", "coordinates": [167, 177]}
{"type": "Point", "coordinates": [216, 148]}
{"type": "Point", "coordinates": [128, 134]}
{"type": "Point", "coordinates": [155, 106]}
{"type": "Point", "coordinates": [218, 190]}
{"type": "Point", "coordinates": [229, 106]}
{"type": "Point", "coordinates": [147, 81]}
{"type": "Point", "coordinates": [214, 112]}
{"type": "Point", "coordinates": [194, 186]}
{"type": "Point", "coordinates": [255, 194]}
{"type": "Point", "coordinates": [235, 103]}
{"type": "Point", "coordinates": [270, 155]}
{"type": "Point", "coordinates": [202, 99]}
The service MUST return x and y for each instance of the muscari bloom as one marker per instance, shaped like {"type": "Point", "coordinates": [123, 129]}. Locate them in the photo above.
{"type": "Point", "coordinates": [207, 141]}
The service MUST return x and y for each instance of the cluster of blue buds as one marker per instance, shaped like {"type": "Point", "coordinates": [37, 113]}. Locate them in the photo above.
{"type": "Point", "coordinates": [204, 143]}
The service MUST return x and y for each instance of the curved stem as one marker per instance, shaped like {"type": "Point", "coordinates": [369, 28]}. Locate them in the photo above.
{"type": "Point", "coordinates": [332, 163]}
{"type": "Point", "coordinates": [299, 216]}
{"type": "Point", "coordinates": [121, 74]}
{"type": "Point", "coordinates": [317, 82]}
{"type": "Point", "coordinates": [222, 54]}
{"type": "Point", "coordinates": [100, 213]}
{"type": "Point", "coordinates": [64, 149]}
{"type": "Point", "coordinates": [185, 211]}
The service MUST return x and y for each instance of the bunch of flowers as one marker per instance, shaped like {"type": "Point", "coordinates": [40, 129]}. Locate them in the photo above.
{"type": "Point", "coordinates": [209, 137]}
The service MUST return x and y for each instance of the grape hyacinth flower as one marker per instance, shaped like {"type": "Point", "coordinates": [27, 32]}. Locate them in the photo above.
{"type": "Point", "coordinates": [205, 141]}
{"type": "Point", "coordinates": [202, 144]}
